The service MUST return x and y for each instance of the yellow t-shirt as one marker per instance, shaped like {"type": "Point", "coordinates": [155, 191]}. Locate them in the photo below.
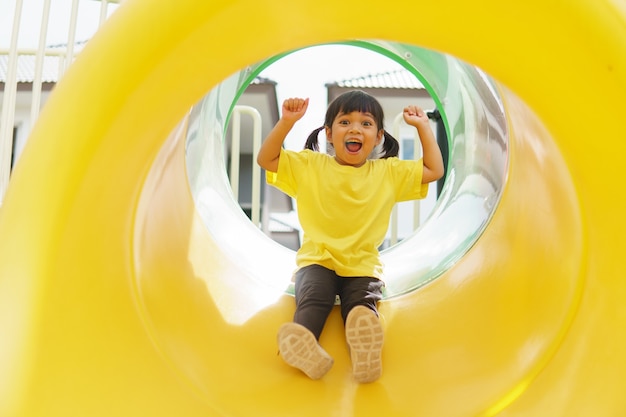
{"type": "Point", "coordinates": [344, 211]}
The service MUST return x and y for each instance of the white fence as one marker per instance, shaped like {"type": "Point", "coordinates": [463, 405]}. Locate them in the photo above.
{"type": "Point", "coordinates": [17, 66]}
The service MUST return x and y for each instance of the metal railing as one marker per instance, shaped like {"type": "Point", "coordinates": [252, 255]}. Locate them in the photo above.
{"type": "Point", "coordinates": [235, 157]}
{"type": "Point", "coordinates": [66, 55]}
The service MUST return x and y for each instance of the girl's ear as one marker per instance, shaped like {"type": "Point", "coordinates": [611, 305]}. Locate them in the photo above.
{"type": "Point", "coordinates": [381, 134]}
{"type": "Point", "coordinates": [328, 132]}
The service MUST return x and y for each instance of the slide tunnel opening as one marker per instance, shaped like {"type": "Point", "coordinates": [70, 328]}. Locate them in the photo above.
{"type": "Point", "coordinates": [231, 286]}
{"type": "Point", "coordinates": [474, 120]}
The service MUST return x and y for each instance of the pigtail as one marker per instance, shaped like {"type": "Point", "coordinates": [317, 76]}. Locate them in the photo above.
{"type": "Point", "coordinates": [391, 147]}
{"type": "Point", "coordinates": [312, 142]}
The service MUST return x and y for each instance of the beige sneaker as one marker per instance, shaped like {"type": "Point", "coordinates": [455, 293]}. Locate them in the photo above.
{"type": "Point", "coordinates": [300, 349]}
{"type": "Point", "coordinates": [364, 335]}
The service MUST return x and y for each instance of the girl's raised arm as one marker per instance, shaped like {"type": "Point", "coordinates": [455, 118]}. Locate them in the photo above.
{"type": "Point", "coordinates": [293, 109]}
{"type": "Point", "coordinates": [433, 161]}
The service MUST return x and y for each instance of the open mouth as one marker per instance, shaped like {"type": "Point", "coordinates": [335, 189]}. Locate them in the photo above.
{"type": "Point", "coordinates": [353, 146]}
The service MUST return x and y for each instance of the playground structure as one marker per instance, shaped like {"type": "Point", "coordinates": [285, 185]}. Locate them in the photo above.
{"type": "Point", "coordinates": [117, 299]}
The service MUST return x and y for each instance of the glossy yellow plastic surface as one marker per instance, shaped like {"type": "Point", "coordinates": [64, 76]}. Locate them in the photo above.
{"type": "Point", "coordinates": [116, 301]}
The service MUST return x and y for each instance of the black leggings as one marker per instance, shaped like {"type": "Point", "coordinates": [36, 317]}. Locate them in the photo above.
{"type": "Point", "coordinates": [316, 288]}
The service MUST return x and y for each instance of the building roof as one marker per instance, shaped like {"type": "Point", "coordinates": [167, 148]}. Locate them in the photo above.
{"type": "Point", "coordinates": [52, 69]}
{"type": "Point", "coordinates": [262, 80]}
{"type": "Point", "coordinates": [53, 63]}
{"type": "Point", "coordinates": [26, 68]}
{"type": "Point", "coordinates": [400, 79]}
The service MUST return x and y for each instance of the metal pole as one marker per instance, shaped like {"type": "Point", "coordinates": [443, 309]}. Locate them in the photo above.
{"type": "Point", "coordinates": [442, 140]}
{"type": "Point", "coordinates": [104, 7]}
{"type": "Point", "coordinates": [8, 105]}
{"type": "Point", "coordinates": [71, 36]}
{"type": "Point", "coordinates": [234, 158]}
{"type": "Point", "coordinates": [36, 99]}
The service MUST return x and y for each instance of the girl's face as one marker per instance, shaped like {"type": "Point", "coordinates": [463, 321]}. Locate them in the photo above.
{"type": "Point", "coordinates": [353, 136]}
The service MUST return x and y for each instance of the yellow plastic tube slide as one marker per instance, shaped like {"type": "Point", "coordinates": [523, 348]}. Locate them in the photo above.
{"type": "Point", "coordinates": [117, 299]}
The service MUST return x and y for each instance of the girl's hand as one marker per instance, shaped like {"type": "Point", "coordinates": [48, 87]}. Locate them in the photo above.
{"type": "Point", "coordinates": [415, 116]}
{"type": "Point", "coordinates": [294, 108]}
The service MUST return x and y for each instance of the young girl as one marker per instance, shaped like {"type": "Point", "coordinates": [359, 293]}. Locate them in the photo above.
{"type": "Point", "coordinates": [344, 204]}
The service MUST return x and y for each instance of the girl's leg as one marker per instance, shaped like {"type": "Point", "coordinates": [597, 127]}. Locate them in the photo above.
{"type": "Point", "coordinates": [356, 291]}
{"type": "Point", "coordinates": [364, 333]}
{"type": "Point", "coordinates": [315, 291]}
{"type": "Point", "coordinates": [298, 341]}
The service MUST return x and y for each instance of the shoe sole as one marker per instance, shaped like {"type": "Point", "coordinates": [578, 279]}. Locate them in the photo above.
{"type": "Point", "coordinates": [364, 335]}
{"type": "Point", "coordinates": [299, 349]}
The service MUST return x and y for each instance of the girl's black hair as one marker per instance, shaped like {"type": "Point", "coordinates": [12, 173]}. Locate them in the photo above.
{"type": "Point", "coordinates": [348, 102]}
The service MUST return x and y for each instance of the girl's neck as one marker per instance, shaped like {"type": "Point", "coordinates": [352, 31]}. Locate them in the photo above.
{"type": "Point", "coordinates": [342, 163]}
